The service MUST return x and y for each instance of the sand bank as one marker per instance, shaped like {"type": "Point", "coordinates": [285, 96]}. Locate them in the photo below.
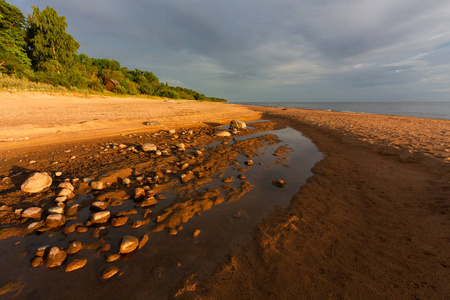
{"type": "Point", "coordinates": [33, 118]}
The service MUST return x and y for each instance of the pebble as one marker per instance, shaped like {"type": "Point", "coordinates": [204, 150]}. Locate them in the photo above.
{"type": "Point", "coordinates": [41, 250]}
{"type": "Point", "coordinates": [223, 134]}
{"type": "Point", "coordinates": [241, 176]}
{"type": "Point", "coordinates": [74, 247]}
{"type": "Point", "coordinates": [66, 192]}
{"type": "Point", "coordinates": [173, 231]}
{"type": "Point", "coordinates": [72, 210]}
{"type": "Point", "coordinates": [33, 225]}
{"type": "Point", "coordinates": [55, 257]}
{"type": "Point", "coordinates": [57, 174]}
{"type": "Point", "coordinates": [181, 147]}
{"type": "Point", "coordinates": [100, 217]}
{"type": "Point", "coordinates": [126, 181]}
{"type": "Point", "coordinates": [138, 193]}
{"type": "Point", "coordinates": [81, 229]}
{"type": "Point", "coordinates": [32, 212]}
{"type": "Point", "coordinates": [60, 199]}
{"type": "Point", "coordinates": [172, 131]}
{"type": "Point", "coordinates": [143, 241]}
{"type": "Point", "coordinates": [76, 264]}
{"type": "Point", "coordinates": [129, 244]}
{"type": "Point", "coordinates": [37, 261]}
{"type": "Point", "coordinates": [279, 183]}
{"type": "Point", "coordinates": [228, 179]}
{"type": "Point", "coordinates": [36, 183]}
{"type": "Point", "coordinates": [196, 233]}
{"type": "Point", "coordinates": [249, 162]}
{"type": "Point", "coordinates": [108, 271]}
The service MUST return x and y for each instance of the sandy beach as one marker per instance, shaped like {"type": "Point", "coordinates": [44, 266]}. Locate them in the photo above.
{"type": "Point", "coordinates": [371, 220]}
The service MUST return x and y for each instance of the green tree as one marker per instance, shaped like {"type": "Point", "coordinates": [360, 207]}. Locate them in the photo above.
{"type": "Point", "coordinates": [48, 40]}
{"type": "Point", "coordinates": [13, 58]}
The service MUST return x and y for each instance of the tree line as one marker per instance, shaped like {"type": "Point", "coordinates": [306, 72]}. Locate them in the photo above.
{"type": "Point", "coordinates": [39, 48]}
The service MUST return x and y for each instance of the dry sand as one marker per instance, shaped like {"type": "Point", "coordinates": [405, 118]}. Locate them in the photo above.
{"type": "Point", "coordinates": [372, 222]}
{"type": "Point", "coordinates": [34, 118]}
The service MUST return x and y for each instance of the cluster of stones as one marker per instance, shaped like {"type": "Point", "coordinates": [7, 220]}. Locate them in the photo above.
{"type": "Point", "coordinates": [100, 218]}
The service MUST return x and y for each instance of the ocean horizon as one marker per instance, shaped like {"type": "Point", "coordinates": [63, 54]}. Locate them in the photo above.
{"type": "Point", "coordinates": [429, 110]}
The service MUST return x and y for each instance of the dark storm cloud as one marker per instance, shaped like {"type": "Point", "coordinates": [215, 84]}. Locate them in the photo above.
{"type": "Point", "coordinates": [237, 47]}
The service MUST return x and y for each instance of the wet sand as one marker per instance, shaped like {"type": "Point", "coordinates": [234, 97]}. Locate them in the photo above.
{"type": "Point", "coordinates": [371, 222]}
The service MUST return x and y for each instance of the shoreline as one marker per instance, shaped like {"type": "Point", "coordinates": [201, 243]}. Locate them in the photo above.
{"type": "Point", "coordinates": [372, 221]}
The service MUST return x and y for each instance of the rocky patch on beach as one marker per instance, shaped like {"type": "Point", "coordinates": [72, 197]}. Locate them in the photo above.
{"type": "Point", "coordinates": [110, 196]}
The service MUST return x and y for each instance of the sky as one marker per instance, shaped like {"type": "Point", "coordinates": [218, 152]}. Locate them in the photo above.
{"type": "Point", "coordinates": [267, 50]}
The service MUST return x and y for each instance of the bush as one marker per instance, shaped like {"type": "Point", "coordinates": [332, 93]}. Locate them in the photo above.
{"type": "Point", "coordinates": [169, 94]}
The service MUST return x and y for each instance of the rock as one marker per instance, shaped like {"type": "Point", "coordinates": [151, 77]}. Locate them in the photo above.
{"type": "Point", "coordinates": [173, 231]}
{"type": "Point", "coordinates": [236, 124]}
{"type": "Point", "coordinates": [56, 210]}
{"type": "Point", "coordinates": [99, 205]}
{"type": "Point", "coordinates": [76, 264]}
{"type": "Point", "coordinates": [55, 257]}
{"type": "Point", "coordinates": [279, 183]}
{"type": "Point", "coordinates": [97, 185]}
{"type": "Point", "coordinates": [36, 183]}
{"type": "Point", "coordinates": [149, 202]}
{"type": "Point", "coordinates": [60, 199]}
{"type": "Point", "coordinates": [196, 233]}
{"type": "Point", "coordinates": [37, 261]}
{"type": "Point", "coordinates": [119, 221]}
{"type": "Point", "coordinates": [129, 244]}
{"type": "Point", "coordinates": [81, 229]}
{"type": "Point", "coordinates": [223, 133]}
{"type": "Point", "coordinates": [66, 193]}
{"type": "Point", "coordinates": [112, 257]}
{"type": "Point", "coordinates": [186, 177]}
{"type": "Point", "coordinates": [32, 213]}
{"type": "Point", "coordinates": [241, 176]}
{"type": "Point", "coordinates": [146, 147]}
{"type": "Point", "coordinates": [249, 162]}
{"type": "Point", "coordinates": [143, 241]}
{"type": "Point", "coordinates": [198, 153]}
{"type": "Point", "coordinates": [116, 203]}
{"type": "Point", "coordinates": [99, 232]}
{"type": "Point", "coordinates": [66, 185]}
{"type": "Point", "coordinates": [172, 131]}
{"type": "Point", "coordinates": [72, 210]}
{"type": "Point", "coordinates": [138, 193]}
{"type": "Point", "coordinates": [33, 225]}
{"type": "Point", "coordinates": [100, 217]}
{"type": "Point", "coordinates": [41, 250]}
{"type": "Point", "coordinates": [181, 147]}
{"type": "Point", "coordinates": [108, 271]}
{"type": "Point", "coordinates": [57, 174]}
{"type": "Point", "coordinates": [228, 179]}
{"type": "Point", "coordinates": [74, 247]}
{"type": "Point", "coordinates": [55, 220]}
{"type": "Point", "coordinates": [126, 181]}
{"type": "Point", "coordinates": [234, 132]}
{"type": "Point", "coordinates": [139, 223]}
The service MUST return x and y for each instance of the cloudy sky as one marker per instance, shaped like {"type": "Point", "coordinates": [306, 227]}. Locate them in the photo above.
{"type": "Point", "coordinates": [267, 50]}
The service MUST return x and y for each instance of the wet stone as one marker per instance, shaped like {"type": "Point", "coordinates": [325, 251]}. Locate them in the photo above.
{"type": "Point", "coordinates": [55, 257]}
{"type": "Point", "coordinates": [223, 134]}
{"type": "Point", "coordinates": [228, 179]}
{"type": "Point", "coordinates": [143, 241]}
{"type": "Point", "coordinates": [56, 210]}
{"type": "Point", "coordinates": [108, 271]}
{"type": "Point", "coordinates": [72, 210]}
{"type": "Point", "coordinates": [99, 205]}
{"type": "Point", "coordinates": [187, 177]}
{"type": "Point", "coordinates": [236, 124]}
{"type": "Point", "coordinates": [97, 185]}
{"type": "Point", "coordinates": [279, 183]}
{"type": "Point", "coordinates": [129, 244]}
{"type": "Point", "coordinates": [100, 217]}
{"type": "Point", "coordinates": [249, 162]}
{"type": "Point", "coordinates": [55, 220]}
{"type": "Point", "coordinates": [119, 221]}
{"type": "Point", "coordinates": [76, 264]}
{"type": "Point", "coordinates": [112, 257]}
{"type": "Point", "coordinates": [41, 250]}
{"type": "Point", "coordinates": [66, 185]}
{"type": "Point", "coordinates": [196, 233]}
{"type": "Point", "coordinates": [74, 247]}
{"type": "Point", "coordinates": [116, 203]}
{"type": "Point", "coordinates": [149, 202]}
{"type": "Point", "coordinates": [37, 261]}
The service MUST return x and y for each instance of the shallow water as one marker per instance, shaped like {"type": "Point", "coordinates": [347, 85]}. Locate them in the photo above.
{"type": "Point", "coordinates": [156, 269]}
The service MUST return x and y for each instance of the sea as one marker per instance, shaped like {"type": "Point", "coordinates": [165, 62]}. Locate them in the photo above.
{"type": "Point", "coordinates": [430, 110]}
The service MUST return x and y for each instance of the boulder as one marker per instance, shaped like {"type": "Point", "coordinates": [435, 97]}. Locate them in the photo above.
{"type": "Point", "coordinates": [55, 257]}
{"type": "Point", "coordinates": [36, 183]}
{"type": "Point", "coordinates": [32, 212]}
{"type": "Point", "coordinates": [129, 244]}
{"type": "Point", "coordinates": [236, 124]}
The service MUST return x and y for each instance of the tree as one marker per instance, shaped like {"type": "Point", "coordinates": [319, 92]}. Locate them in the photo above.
{"type": "Point", "coordinates": [48, 40]}
{"type": "Point", "coordinates": [13, 58]}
